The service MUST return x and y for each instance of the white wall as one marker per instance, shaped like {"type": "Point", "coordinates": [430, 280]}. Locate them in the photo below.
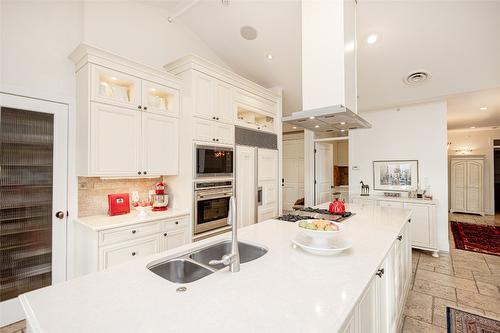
{"type": "Point", "coordinates": [415, 132]}
{"type": "Point", "coordinates": [480, 141]}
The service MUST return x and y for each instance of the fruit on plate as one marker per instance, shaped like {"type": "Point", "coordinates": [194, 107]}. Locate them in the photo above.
{"type": "Point", "coordinates": [320, 225]}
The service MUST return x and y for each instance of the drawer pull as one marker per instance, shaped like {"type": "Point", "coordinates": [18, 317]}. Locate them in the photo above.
{"type": "Point", "coordinates": [409, 220]}
{"type": "Point", "coordinates": [134, 231]}
{"type": "Point", "coordinates": [176, 222]}
{"type": "Point", "coordinates": [380, 272]}
{"type": "Point", "coordinates": [165, 234]}
{"type": "Point", "coordinates": [400, 237]}
{"type": "Point", "coordinates": [134, 253]}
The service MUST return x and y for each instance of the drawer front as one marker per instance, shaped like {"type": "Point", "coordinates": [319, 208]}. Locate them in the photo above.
{"type": "Point", "coordinates": [128, 233]}
{"type": "Point", "coordinates": [122, 252]}
{"type": "Point", "coordinates": [180, 222]}
{"type": "Point", "coordinates": [391, 204]}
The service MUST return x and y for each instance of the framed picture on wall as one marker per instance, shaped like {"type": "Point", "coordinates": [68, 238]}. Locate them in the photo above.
{"type": "Point", "coordinates": [395, 175]}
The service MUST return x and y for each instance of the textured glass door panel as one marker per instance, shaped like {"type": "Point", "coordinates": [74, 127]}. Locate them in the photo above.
{"type": "Point", "coordinates": [26, 183]}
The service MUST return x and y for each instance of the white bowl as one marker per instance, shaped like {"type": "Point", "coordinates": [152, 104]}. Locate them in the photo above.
{"type": "Point", "coordinates": [320, 236]}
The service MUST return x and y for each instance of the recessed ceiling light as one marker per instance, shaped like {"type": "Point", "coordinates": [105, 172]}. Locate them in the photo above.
{"type": "Point", "coordinates": [472, 127]}
{"type": "Point", "coordinates": [342, 130]}
{"type": "Point", "coordinates": [153, 89]}
{"type": "Point", "coordinates": [372, 38]}
{"type": "Point", "coordinates": [294, 127]}
{"type": "Point", "coordinates": [113, 78]}
{"type": "Point", "coordinates": [269, 56]}
{"type": "Point", "coordinates": [312, 117]}
{"type": "Point", "coordinates": [342, 123]}
{"type": "Point", "coordinates": [316, 126]}
{"type": "Point", "coordinates": [248, 32]}
{"type": "Point", "coordinates": [483, 108]}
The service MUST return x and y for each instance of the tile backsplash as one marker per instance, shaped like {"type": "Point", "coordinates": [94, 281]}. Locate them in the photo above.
{"type": "Point", "coordinates": [93, 192]}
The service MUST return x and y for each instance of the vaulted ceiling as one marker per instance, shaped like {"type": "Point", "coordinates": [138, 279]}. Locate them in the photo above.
{"type": "Point", "coordinates": [458, 42]}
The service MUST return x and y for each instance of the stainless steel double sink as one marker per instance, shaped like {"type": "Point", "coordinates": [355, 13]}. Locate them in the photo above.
{"type": "Point", "coordinates": [194, 265]}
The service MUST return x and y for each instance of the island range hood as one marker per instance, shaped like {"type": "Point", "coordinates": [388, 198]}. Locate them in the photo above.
{"type": "Point", "coordinates": [337, 120]}
{"type": "Point", "coordinates": [329, 87]}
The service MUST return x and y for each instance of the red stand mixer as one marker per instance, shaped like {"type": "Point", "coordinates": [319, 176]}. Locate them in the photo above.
{"type": "Point", "coordinates": [160, 199]}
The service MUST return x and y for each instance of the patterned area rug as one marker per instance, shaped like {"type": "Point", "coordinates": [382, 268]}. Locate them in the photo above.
{"type": "Point", "coordinates": [465, 322]}
{"type": "Point", "coordinates": [476, 238]}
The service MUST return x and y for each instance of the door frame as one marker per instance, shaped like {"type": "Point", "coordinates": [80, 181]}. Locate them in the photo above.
{"type": "Point", "coordinates": [11, 309]}
{"type": "Point", "coordinates": [315, 169]}
{"type": "Point", "coordinates": [491, 185]}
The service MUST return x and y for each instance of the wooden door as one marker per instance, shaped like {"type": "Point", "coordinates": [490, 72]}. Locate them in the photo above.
{"type": "Point", "coordinates": [203, 96]}
{"type": "Point", "coordinates": [474, 186]}
{"type": "Point", "coordinates": [323, 165]}
{"type": "Point", "coordinates": [293, 172]}
{"type": "Point", "coordinates": [223, 102]}
{"type": "Point", "coordinates": [160, 145]}
{"type": "Point", "coordinates": [458, 186]}
{"type": "Point", "coordinates": [115, 141]}
{"type": "Point", "coordinates": [245, 185]}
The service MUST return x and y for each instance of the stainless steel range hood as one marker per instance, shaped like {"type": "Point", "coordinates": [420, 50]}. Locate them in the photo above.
{"type": "Point", "coordinates": [335, 120]}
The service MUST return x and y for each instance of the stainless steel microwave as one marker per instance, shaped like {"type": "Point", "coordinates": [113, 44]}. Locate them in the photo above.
{"type": "Point", "coordinates": [213, 161]}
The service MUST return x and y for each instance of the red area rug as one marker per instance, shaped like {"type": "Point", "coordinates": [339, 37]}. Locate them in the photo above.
{"type": "Point", "coordinates": [476, 238]}
{"type": "Point", "coordinates": [464, 322]}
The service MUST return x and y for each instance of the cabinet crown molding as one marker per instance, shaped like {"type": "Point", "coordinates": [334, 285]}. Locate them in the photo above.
{"type": "Point", "coordinates": [86, 53]}
{"type": "Point", "coordinates": [194, 62]}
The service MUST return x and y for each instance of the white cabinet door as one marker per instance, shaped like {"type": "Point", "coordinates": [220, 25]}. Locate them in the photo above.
{"type": "Point", "coordinates": [420, 224]}
{"type": "Point", "coordinates": [350, 326]}
{"type": "Point", "coordinates": [115, 141]}
{"type": "Point", "coordinates": [293, 172]}
{"type": "Point", "coordinates": [267, 194]}
{"type": "Point", "coordinates": [174, 238]}
{"type": "Point", "coordinates": [203, 130]}
{"type": "Point", "coordinates": [386, 292]}
{"type": "Point", "coordinates": [160, 145]}
{"type": "Point", "coordinates": [119, 253]}
{"type": "Point", "coordinates": [223, 102]}
{"type": "Point", "coordinates": [223, 133]}
{"type": "Point", "coordinates": [323, 175]}
{"type": "Point", "coordinates": [203, 96]}
{"type": "Point", "coordinates": [367, 309]}
{"type": "Point", "coordinates": [474, 186]}
{"type": "Point", "coordinates": [245, 185]}
{"type": "Point", "coordinates": [458, 186]}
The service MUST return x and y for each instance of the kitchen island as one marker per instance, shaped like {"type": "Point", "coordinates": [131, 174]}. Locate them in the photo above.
{"type": "Point", "coordinates": [286, 290]}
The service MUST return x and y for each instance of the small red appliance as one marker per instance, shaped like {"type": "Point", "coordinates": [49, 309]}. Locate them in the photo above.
{"type": "Point", "coordinates": [118, 204]}
{"type": "Point", "coordinates": [337, 207]}
{"type": "Point", "coordinates": [160, 198]}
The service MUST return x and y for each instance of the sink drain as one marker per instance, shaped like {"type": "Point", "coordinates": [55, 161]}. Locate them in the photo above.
{"type": "Point", "coordinates": [181, 289]}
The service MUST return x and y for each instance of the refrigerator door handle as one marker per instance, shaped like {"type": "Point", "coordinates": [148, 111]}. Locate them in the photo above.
{"type": "Point", "coordinates": [259, 196]}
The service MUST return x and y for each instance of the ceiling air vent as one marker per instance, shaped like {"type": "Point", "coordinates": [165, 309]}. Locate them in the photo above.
{"type": "Point", "coordinates": [417, 77]}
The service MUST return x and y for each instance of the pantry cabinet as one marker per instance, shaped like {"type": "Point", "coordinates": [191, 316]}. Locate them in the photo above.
{"type": "Point", "coordinates": [466, 184]}
{"type": "Point", "coordinates": [100, 243]}
{"type": "Point", "coordinates": [423, 221]}
{"type": "Point", "coordinates": [213, 98]}
{"type": "Point", "coordinates": [127, 116]}
{"type": "Point", "coordinates": [380, 308]}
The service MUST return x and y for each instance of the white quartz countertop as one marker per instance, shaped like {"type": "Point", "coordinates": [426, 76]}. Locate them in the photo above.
{"type": "Point", "coordinates": [286, 290]}
{"type": "Point", "coordinates": [397, 199]}
{"type": "Point", "coordinates": [103, 222]}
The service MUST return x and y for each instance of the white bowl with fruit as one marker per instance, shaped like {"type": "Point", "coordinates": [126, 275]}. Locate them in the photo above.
{"type": "Point", "coordinates": [320, 230]}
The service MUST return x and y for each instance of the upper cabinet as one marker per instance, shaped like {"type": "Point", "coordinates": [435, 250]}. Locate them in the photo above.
{"type": "Point", "coordinates": [213, 98]}
{"type": "Point", "coordinates": [127, 116]}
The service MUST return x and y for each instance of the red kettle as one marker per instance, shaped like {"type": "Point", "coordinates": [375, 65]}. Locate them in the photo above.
{"type": "Point", "coordinates": [337, 207]}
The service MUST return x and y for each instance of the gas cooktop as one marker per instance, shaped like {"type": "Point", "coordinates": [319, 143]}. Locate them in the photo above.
{"type": "Point", "coordinates": [308, 213]}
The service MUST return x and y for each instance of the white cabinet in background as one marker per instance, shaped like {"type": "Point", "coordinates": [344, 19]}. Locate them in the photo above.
{"type": "Point", "coordinates": [213, 131]}
{"type": "Point", "coordinates": [245, 185]}
{"type": "Point", "coordinates": [423, 218]}
{"type": "Point", "coordinates": [466, 184]}
{"type": "Point", "coordinates": [100, 249]}
{"type": "Point", "coordinates": [366, 311]}
{"type": "Point", "coordinates": [127, 116]}
{"type": "Point", "coordinates": [267, 184]}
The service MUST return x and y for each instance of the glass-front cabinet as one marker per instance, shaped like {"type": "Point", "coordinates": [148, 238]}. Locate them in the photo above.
{"type": "Point", "coordinates": [160, 99]}
{"type": "Point", "coordinates": [253, 118]}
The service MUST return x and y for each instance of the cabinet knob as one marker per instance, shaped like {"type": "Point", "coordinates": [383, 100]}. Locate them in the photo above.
{"type": "Point", "coordinates": [217, 140]}
{"type": "Point", "coordinates": [139, 107]}
{"type": "Point", "coordinates": [138, 172]}
{"type": "Point", "coordinates": [134, 231]}
{"type": "Point", "coordinates": [400, 237]}
{"type": "Point", "coordinates": [213, 139]}
{"type": "Point", "coordinates": [176, 222]}
{"type": "Point", "coordinates": [380, 272]}
{"type": "Point", "coordinates": [165, 234]}
{"type": "Point", "coordinates": [145, 172]}
{"type": "Point", "coordinates": [217, 118]}
{"type": "Point", "coordinates": [60, 215]}
{"type": "Point", "coordinates": [134, 253]}
{"type": "Point", "coordinates": [409, 220]}
{"type": "Point", "coordinates": [145, 108]}
{"type": "Point", "coordinates": [213, 118]}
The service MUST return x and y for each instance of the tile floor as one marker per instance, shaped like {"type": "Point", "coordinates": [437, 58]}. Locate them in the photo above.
{"type": "Point", "coordinates": [463, 279]}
